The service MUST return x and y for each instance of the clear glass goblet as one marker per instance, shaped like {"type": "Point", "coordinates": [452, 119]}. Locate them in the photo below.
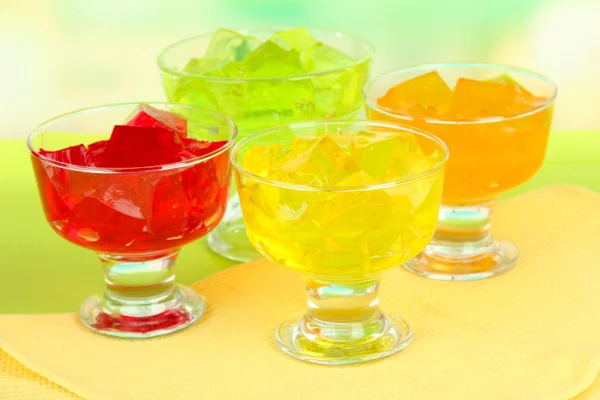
{"type": "Point", "coordinates": [340, 237]}
{"type": "Point", "coordinates": [136, 219]}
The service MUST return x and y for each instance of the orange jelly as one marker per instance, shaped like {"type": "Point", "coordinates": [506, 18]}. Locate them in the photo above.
{"type": "Point", "coordinates": [496, 130]}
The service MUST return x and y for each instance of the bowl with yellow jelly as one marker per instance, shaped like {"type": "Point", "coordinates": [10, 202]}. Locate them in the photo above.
{"type": "Point", "coordinates": [496, 121]}
{"type": "Point", "coordinates": [340, 202]}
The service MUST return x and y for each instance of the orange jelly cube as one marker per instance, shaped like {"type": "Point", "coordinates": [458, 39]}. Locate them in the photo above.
{"type": "Point", "coordinates": [475, 99]}
{"type": "Point", "coordinates": [526, 96]}
{"type": "Point", "coordinates": [425, 95]}
{"type": "Point", "coordinates": [507, 80]}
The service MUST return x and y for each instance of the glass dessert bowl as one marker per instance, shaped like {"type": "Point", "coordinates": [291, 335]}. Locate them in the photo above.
{"type": "Point", "coordinates": [135, 183]}
{"type": "Point", "coordinates": [496, 121]}
{"type": "Point", "coordinates": [340, 202]}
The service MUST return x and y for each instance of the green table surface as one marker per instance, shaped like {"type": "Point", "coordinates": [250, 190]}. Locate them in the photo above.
{"type": "Point", "coordinates": [42, 273]}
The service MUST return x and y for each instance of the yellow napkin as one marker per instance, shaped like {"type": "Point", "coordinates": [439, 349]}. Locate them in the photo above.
{"type": "Point", "coordinates": [533, 333]}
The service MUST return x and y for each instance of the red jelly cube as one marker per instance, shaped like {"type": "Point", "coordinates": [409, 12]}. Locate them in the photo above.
{"type": "Point", "coordinates": [76, 155]}
{"type": "Point", "coordinates": [96, 151]}
{"type": "Point", "coordinates": [54, 205]}
{"type": "Point", "coordinates": [69, 184]}
{"type": "Point", "coordinates": [203, 188]}
{"type": "Point", "coordinates": [94, 224]}
{"type": "Point", "coordinates": [221, 162]}
{"type": "Point", "coordinates": [172, 214]}
{"type": "Point", "coordinates": [129, 194]}
{"type": "Point", "coordinates": [150, 117]}
{"type": "Point", "coordinates": [132, 146]}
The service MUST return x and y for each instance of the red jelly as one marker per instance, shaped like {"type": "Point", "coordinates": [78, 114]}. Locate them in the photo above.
{"type": "Point", "coordinates": [149, 117]}
{"type": "Point", "coordinates": [141, 210]}
{"type": "Point", "coordinates": [96, 151]}
{"type": "Point", "coordinates": [132, 146]}
{"type": "Point", "coordinates": [76, 155]}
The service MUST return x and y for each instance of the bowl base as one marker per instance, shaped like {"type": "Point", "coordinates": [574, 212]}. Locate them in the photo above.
{"type": "Point", "coordinates": [291, 338]}
{"type": "Point", "coordinates": [137, 321]}
{"type": "Point", "coordinates": [429, 265]}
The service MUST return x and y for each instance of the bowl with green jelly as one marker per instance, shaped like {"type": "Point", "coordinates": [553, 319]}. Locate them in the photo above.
{"type": "Point", "coordinates": [270, 76]}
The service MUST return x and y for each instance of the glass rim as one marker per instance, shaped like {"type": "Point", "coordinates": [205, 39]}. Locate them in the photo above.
{"type": "Point", "coordinates": [166, 67]}
{"type": "Point", "coordinates": [440, 66]}
{"type": "Point", "coordinates": [152, 168]}
{"type": "Point", "coordinates": [335, 188]}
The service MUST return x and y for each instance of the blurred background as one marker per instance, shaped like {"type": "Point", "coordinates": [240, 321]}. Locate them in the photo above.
{"type": "Point", "coordinates": [60, 55]}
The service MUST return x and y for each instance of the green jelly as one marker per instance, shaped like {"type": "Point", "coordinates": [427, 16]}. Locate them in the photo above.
{"type": "Point", "coordinates": [231, 46]}
{"type": "Point", "coordinates": [272, 61]}
{"type": "Point", "coordinates": [260, 84]}
{"type": "Point", "coordinates": [298, 39]}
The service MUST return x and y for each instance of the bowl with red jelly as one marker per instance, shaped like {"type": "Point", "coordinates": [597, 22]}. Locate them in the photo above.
{"type": "Point", "coordinates": [134, 183]}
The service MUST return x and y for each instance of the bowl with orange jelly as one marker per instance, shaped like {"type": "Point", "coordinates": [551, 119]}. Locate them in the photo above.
{"type": "Point", "coordinates": [496, 121]}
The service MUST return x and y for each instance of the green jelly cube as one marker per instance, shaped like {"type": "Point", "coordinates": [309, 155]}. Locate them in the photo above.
{"type": "Point", "coordinates": [272, 101]}
{"type": "Point", "coordinates": [338, 94]}
{"type": "Point", "coordinates": [205, 66]}
{"type": "Point", "coordinates": [298, 39]}
{"type": "Point", "coordinates": [214, 67]}
{"type": "Point", "coordinates": [275, 102]}
{"type": "Point", "coordinates": [322, 57]}
{"type": "Point", "coordinates": [272, 61]}
{"type": "Point", "coordinates": [223, 96]}
{"type": "Point", "coordinates": [231, 46]}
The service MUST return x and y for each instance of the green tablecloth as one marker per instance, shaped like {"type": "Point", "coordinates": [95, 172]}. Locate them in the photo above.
{"type": "Point", "coordinates": [40, 272]}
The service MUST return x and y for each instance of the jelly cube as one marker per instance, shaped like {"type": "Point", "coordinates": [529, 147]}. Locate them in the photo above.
{"type": "Point", "coordinates": [75, 155]}
{"type": "Point", "coordinates": [205, 187]}
{"type": "Point", "coordinates": [380, 157]}
{"type": "Point", "coordinates": [204, 66]}
{"type": "Point", "coordinates": [338, 93]}
{"type": "Point", "coordinates": [128, 194]}
{"type": "Point", "coordinates": [271, 61]}
{"type": "Point", "coordinates": [298, 39]}
{"type": "Point", "coordinates": [427, 91]}
{"type": "Point", "coordinates": [171, 212]}
{"type": "Point", "coordinates": [146, 116]}
{"type": "Point", "coordinates": [292, 158]}
{"type": "Point", "coordinates": [96, 151]}
{"type": "Point", "coordinates": [55, 206]}
{"type": "Point", "coordinates": [508, 80]}
{"type": "Point", "coordinates": [213, 67]}
{"type": "Point", "coordinates": [358, 178]}
{"type": "Point", "coordinates": [260, 159]}
{"type": "Point", "coordinates": [231, 46]}
{"type": "Point", "coordinates": [476, 99]}
{"type": "Point", "coordinates": [113, 226]}
{"type": "Point", "coordinates": [215, 95]}
{"type": "Point", "coordinates": [133, 146]}
{"type": "Point", "coordinates": [322, 57]}
{"type": "Point", "coordinates": [272, 102]}
{"type": "Point", "coordinates": [325, 163]}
